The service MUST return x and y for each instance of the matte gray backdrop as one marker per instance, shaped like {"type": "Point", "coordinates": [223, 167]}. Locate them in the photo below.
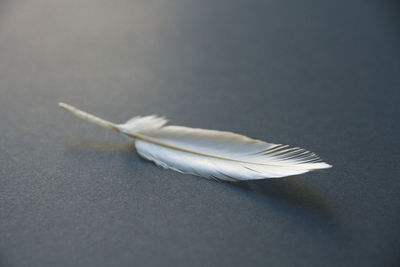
{"type": "Point", "coordinates": [323, 75]}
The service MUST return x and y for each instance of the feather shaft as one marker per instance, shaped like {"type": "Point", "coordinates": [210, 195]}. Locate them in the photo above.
{"type": "Point", "coordinates": [89, 117]}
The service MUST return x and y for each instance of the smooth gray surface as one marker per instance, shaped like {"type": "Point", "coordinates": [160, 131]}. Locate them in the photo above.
{"type": "Point", "coordinates": [323, 75]}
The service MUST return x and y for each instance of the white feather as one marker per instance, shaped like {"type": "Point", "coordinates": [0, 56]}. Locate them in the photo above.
{"type": "Point", "coordinates": [209, 153]}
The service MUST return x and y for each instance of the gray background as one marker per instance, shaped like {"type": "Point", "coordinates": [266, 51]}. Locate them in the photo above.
{"type": "Point", "coordinates": [323, 75]}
